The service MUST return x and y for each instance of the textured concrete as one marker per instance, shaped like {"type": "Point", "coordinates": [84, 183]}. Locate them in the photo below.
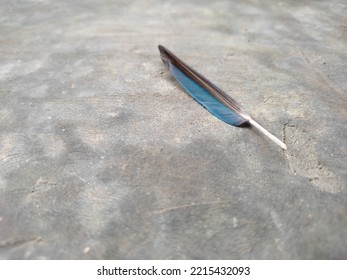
{"type": "Point", "coordinates": [103, 156]}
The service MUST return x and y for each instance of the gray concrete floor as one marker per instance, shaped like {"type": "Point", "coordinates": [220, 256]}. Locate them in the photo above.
{"type": "Point", "coordinates": [104, 156]}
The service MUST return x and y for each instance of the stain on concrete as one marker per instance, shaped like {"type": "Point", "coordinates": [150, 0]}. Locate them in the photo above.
{"type": "Point", "coordinates": [303, 161]}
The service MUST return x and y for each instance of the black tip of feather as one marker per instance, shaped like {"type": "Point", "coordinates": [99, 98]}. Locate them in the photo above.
{"type": "Point", "coordinates": [164, 54]}
{"type": "Point", "coordinates": [162, 50]}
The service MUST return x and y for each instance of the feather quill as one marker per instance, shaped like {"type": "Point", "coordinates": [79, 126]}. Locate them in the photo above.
{"type": "Point", "coordinates": [215, 100]}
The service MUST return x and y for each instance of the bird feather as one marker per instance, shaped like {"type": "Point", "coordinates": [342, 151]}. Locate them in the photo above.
{"type": "Point", "coordinates": [215, 100]}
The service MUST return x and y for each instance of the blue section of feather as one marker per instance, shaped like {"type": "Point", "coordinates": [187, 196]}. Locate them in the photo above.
{"type": "Point", "coordinates": [201, 95]}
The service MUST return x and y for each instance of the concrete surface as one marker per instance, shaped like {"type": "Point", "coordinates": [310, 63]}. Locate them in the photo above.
{"type": "Point", "coordinates": [103, 156]}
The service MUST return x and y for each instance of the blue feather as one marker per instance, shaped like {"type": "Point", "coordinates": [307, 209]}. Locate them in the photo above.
{"type": "Point", "coordinates": [216, 101]}
{"type": "Point", "coordinates": [201, 95]}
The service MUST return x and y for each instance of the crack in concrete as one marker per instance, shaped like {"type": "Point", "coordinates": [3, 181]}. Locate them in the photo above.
{"type": "Point", "coordinates": [15, 243]}
{"type": "Point", "coordinates": [184, 206]}
{"type": "Point", "coordinates": [11, 157]}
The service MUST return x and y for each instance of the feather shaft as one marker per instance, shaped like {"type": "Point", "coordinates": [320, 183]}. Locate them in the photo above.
{"type": "Point", "coordinates": [267, 134]}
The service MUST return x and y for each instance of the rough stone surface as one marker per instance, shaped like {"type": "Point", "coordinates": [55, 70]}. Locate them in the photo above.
{"type": "Point", "coordinates": [104, 156]}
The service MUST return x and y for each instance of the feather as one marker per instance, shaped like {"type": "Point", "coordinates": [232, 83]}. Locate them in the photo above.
{"type": "Point", "coordinates": [215, 100]}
